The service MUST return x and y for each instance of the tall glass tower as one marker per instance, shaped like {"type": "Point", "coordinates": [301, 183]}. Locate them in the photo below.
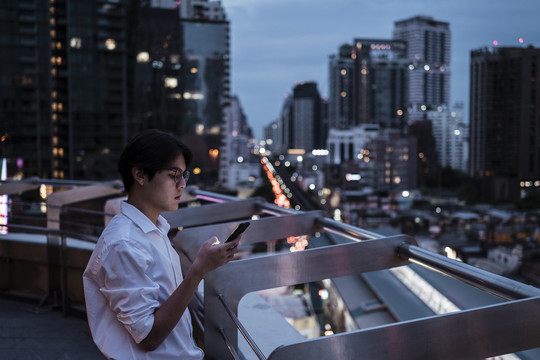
{"type": "Point", "coordinates": [65, 86]}
{"type": "Point", "coordinates": [505, 119]}
{"type": "Point", "coordinates": [428, 48]}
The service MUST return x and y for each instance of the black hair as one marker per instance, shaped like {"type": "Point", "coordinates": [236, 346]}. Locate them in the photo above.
{"type": "Point", "coordinates": [151, 150]}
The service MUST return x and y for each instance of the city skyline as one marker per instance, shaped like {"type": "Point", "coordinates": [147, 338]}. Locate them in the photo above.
{"type": "Point", "coordinates": [291, 41]}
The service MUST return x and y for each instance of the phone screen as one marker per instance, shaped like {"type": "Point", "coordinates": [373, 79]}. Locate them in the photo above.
{"type": "Point", "coordinates": [239, 229]}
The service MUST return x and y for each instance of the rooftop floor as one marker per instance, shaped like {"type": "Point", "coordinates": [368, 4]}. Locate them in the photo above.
{"type": "Point", "coordinates": [28, 334]}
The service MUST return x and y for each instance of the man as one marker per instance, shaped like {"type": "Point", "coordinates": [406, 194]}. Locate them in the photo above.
{"type": "Point", "coordinates": [136, 295]}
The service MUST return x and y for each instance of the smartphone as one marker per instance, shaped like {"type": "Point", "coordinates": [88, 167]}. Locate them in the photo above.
{"type": "Point", "coordinates": [239, 229]}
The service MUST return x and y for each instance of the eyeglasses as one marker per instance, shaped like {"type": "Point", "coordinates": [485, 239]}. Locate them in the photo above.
{"type": "Point", "coordinates": [179, 175]}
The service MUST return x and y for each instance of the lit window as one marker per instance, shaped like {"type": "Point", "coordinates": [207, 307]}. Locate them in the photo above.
{"type": "Point", "coordinates": [199, 129]}
{"type": "Point", "coordinates": [343, 94]}
{"type": "Point", "coordinates": [171, 82]}
{"type": "Point", "coordinates": [143, 57]}
{"type": "Point", "coordinates": [194, 70]}
{"type": "Point", "coordinates": [213, 153]}
{"type": "Point", "coordinates": [343, 72]}
{"type": "Point", "coordinates": [110, 44]}
{"type": "Point", "coordinates": [75, 42]}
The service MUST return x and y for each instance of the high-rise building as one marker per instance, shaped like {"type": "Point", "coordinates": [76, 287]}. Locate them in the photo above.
{"type": "Point", "coordinates": [307, 131]}
{"type": "Point", "coordinates": [25, 89]}
{"type": "Point", "coordinates": [205, 82]}
{"type": "Point", "coordinates": [428, 49]}
{"type": "Point", "coordinates": [505, 119]}
{"type": "Point", "coordinates": [71, 64]}
{"type": "Point", "coordinates": [238, 166]}
{"type": "Point", "coordinates": [451, 136]}
{"type": "Point", "coordinates": [206, 87]}
{"type": "Point", "coordinates": [159, 72]}
{"type": "Point", "coordinates": [285, 125]}
{"type": "Point", "coordinates": [368, 84]}
{"type": "Point", "coordinates": [79, 78]}
{"type": "Point", "coordinates": [341, 80]}
{"type": "Point", "coordinates": [380, 82]}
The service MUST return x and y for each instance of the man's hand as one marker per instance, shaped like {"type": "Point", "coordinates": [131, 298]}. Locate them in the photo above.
{"type": "Point", "coordinates": [213, 254]}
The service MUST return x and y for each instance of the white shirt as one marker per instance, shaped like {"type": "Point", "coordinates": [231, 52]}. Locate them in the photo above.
{"type": "Point", "coordinates": [131, 272]}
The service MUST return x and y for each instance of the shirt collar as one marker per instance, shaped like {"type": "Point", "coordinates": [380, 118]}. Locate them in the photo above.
{"type": "Point", "coordinates": [142, 221]}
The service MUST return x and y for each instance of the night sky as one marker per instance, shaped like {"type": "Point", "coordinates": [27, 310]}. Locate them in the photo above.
{"type": "Point", "coordinates": [275, 44]}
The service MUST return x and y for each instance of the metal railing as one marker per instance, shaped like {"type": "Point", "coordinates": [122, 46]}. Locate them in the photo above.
{"type": "Point", "coordinates": [61, 253]}
{"type": "Point", "coordinates": [481, 332]}
{"type": "Point", "coordinates": [485, 331]}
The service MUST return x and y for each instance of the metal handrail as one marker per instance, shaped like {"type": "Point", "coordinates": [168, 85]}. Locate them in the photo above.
{"type": "Point", "coordinates": [494, 284]}
{"type": "Point", "coordinates": [210, 196]}
{"type": "Point", "coordinates": [241, 328]}
{"type": "Point", "coordinates": [63, 234]}
{"type": "Point", "coordinates": [497, 285]}
{"type": "Point", "coordinates": [46, 231]}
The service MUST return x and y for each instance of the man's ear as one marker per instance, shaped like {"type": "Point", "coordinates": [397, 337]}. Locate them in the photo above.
{"type": "Point", "coordinates": [138, 175]}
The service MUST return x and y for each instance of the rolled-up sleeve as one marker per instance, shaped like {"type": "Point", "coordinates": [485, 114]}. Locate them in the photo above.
{"type": "Point", "coordinates": [128, 288]}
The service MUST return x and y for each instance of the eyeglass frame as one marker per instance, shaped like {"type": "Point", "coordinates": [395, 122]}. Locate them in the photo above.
{"type": "Point", "coordinates": [179, 174]}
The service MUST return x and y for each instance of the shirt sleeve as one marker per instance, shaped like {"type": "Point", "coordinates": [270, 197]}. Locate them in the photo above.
{"type": "Point", "coordinates": [130, 292]}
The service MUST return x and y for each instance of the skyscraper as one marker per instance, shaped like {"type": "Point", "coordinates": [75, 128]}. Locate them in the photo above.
{"type": "Point", "coordinates": [70, 63]}
{"type": "Point", "coordinates": [380, 82]}
{"type": "Point", "coordinates": [341, 82]}
{"type": "Point", "coordinates": [206, 81]}
{"type": "Point", "coordinates": [505, 119]}
{"type": "Point", "coordinates": [206, 87]}
{"type": "Point", "coordinates": [25, 88]}
{"type": "Point", "coordinates": [368, 84]}
{"type": "Point", "coordinates": [307, 131]}
{"type": "Point", "coordinates": [159, 72]}
{"type": "Point", "coordinates": [236, 159]}
{"type": "Point", "coordinates": [428, 49]}
{"type": "Point", "coordinates": [451, 136]}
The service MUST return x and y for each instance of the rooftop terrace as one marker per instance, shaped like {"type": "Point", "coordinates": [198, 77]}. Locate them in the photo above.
{"type": "Point", "coordinates": [380, 296]}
